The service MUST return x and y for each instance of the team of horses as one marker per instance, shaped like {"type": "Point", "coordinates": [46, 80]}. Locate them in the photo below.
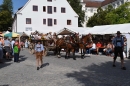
{"type": "Point", "coordinates": [75, 43]}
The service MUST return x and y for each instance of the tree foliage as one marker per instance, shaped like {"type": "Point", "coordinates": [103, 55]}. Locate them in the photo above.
{"type": "Point", "coordinates": [109, 16]}
{"type": "Point", "coordinates": [77, 7]}
{"type": "Point", "coordinates": [6, 11]}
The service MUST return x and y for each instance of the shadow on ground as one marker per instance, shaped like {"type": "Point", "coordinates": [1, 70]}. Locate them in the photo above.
{"type": "Point", "coordinates": [102, 75]}
{"type": "Point", "coordinates": [45, 64]}
{"type": "Point", "coordinates": [22, 58]}
{"type": "Point", "coordinates": [4, 85]}
{"type": "Point", "coordinates": [2, 65]}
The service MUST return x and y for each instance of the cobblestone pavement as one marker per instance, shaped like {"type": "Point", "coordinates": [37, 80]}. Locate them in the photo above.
{"type": "Point", "coordinates": [95, 70]}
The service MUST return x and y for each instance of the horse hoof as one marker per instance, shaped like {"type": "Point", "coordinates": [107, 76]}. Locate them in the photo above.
{"type": "Point", "coordinates": [82, 57]}
{"type": "Point", "coordinates": [74, 58]}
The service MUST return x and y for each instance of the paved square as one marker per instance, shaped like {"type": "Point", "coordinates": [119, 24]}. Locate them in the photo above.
{"type": "Point", "coordinates": [92, 71]}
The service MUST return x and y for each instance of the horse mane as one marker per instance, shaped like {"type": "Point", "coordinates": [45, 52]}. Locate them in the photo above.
{"type": "Point", "coordinates": [86, 38]}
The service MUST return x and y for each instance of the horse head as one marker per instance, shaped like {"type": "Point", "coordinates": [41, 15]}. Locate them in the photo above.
{"type": "Point", "coordinates": [87, 38]}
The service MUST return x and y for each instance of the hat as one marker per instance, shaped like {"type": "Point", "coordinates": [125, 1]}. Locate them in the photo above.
{"type": "Point", "coordinates": [118, 32]}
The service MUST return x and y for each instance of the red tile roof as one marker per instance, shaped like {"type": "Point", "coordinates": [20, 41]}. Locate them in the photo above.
{"type": "Point", "coordinates": [93, 4]}
{"type": "Point", "coordinates": [107, 2]}
{"type": "Point", "coordinates": [97, 4]}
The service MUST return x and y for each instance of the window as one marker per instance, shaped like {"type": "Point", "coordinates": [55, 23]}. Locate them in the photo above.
{"type": "Point", "coordinates": [44, 8]}
{"type": "Point", "coordinates": [49, 9]}
{"type": "Point", "coordinates": [35, 8]}
{"type": "Point", "coordinates": [54, 9]}
{"type": "Point", "coordinates": [44, 21]}
{"type": "Point", "coordinates": [28, 20]}
{"type": "Point", "coordinates": [49, 0]}
{"type": "Point", "coordinates": [49, 22]}
{"type": "Point", "coordinates": [118, 3]}
{"type": "Point", "coordinates": [68, 22]}
{"type": "Point", "coordinates": [122, 2]}
{"type": "Point", "coordinates": [28, 29]}
{"type": "Point", "coordinates": [62, 10]}
{"type": "Point", "coordinates": [86, 18]}
{"type": "Point", "coordinates": [91, 10]}
{"type": "Point", "coordinates": [55, 21]}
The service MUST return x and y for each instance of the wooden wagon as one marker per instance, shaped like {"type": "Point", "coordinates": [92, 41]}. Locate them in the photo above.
{"type": "Point", "coordinates": [46, 43]}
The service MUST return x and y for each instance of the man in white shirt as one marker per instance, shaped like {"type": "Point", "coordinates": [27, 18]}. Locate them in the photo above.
{"type": "Point", "coordinates": [93, 48]}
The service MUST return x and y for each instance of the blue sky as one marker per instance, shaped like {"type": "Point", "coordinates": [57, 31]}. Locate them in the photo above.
{"type": "Point", "coordinates": [16, 4]}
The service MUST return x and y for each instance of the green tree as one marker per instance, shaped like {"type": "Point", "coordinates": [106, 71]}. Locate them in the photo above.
{"type": "Point", "coordinates": [6, 11]}
{"type": "Point", "coordinates": [98, 18]}
{"type": "Point", "coordinates": [7, 5]}
{"type": "Point", "coordinates": [77, 7]}
{"type": "Point", "coordinates": [109, 16]}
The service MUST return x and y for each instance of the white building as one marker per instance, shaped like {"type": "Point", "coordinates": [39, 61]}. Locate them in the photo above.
{"type": "Point", "coordinates": [90, 7]}
{"type": "Point", "coordinates": [44, 16]}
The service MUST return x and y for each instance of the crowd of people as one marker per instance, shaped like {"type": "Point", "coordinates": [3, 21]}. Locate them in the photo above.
{"type": "Point", "coordinates": [9, 48]}
{"type": "Point", "coordinates": [116, 47]}
{"type": "Point", "coordinates": [38, 36]}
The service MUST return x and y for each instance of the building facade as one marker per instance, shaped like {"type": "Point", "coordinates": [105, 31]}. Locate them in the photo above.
{"type": "Point", "coordinates": [90, 7]}
{"type": "Point", "coordinates": [44, 16]}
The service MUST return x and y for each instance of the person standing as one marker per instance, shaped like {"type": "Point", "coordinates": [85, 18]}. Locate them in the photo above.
{"type": "Point", "coordinates": [118, 43]}
{"type": "Point", "coordinates": [26, 44]}
{"type": "Point", "coordinates": [39, 49]}
{"type": "Point", "coordinates": [7, 46]}
{"type": "Point", "coordinates": [12, 44]}
{"type": "Point", "coordinates": [1, 51]}
{"type": "Point", "coordinates": [16, 52]}
{"type": "Point", "coordinates": [18, 45]}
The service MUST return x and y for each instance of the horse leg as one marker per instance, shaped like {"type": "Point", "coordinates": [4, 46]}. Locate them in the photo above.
{"type": "Point", "coordinates": [58, 52]}
{"type": "Point", "coordinates": [66, 56]}
{"type": "Point", "coordinates": [74, 58]}
{"type": "Point", "coordinates": [59, 49]}
{"type": "Point", "coordinates": [84, 50]}
{"type": "Point", "coordinates": [81, 54]}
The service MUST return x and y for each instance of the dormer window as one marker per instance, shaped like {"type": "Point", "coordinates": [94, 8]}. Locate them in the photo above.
{"type": "Point", "coordinates": [35, 8]}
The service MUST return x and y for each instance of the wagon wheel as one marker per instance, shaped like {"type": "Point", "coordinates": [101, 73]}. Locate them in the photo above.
{"type": "Point", "coordinates": [45, 51]}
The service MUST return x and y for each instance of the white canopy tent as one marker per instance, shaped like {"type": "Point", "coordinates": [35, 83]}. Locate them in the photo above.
{"type": "Point", "coordinates": [123, 28]}
{"type": "Point", "coordinates": [97, 29]}
{"type": "Point", "coordinates": [109, 29]}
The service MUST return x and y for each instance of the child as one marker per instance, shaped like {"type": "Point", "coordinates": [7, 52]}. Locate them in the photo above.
{"type": "Point", "coordinates": [16, 54]}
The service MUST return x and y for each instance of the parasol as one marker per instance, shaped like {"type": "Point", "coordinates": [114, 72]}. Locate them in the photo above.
{"type": "Point", "coordinates": [11, 34]}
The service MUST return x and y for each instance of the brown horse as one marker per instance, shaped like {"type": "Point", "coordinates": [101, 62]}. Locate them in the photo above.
{"type": "Point", "coordinates": [60, 43]}
{"type": "Point", "coordinates": [84, 41]}
{"type": "Point", "coordinates": [71, 47]}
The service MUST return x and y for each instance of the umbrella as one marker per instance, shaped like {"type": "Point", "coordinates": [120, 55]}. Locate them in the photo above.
{"type": "Point", "coordinates": [11, 34]}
